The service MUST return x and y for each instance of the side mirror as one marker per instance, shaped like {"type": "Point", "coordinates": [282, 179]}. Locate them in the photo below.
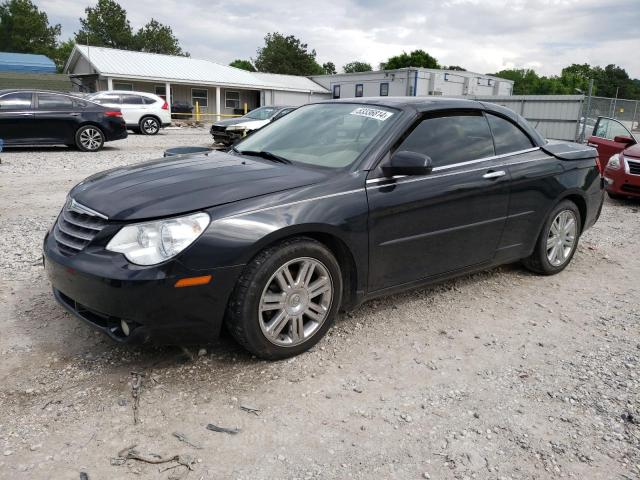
{"type": "Point", "coordinates": [408, 163]}
{"type": "Point", "coordinates": [624, 139]}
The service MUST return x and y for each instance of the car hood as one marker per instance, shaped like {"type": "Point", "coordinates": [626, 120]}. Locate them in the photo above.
{"type": "Point", "coordinates": [633, 151]}
{"type": "Point", "coordinates": [241, 121]}
{"type": "Point", "coordinates": [181, 184]}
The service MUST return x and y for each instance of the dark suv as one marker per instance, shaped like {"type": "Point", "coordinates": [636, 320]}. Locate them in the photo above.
{"type": "Point", "coordinates": [29, 117]}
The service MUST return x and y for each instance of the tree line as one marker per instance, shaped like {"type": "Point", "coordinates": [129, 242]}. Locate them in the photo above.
{"type": "Point", "coordinates": [24, 28]}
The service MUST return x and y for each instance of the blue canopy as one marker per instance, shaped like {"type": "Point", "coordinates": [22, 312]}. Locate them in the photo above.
{"type": "Point", "coordinates": [26, 63]}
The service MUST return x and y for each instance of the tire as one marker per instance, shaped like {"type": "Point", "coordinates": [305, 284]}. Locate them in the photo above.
{"type": "Point", "coordinates": [265, 317]}
{"type": "Point", "coordinates": [89, 138]}
{"type": "Point", "coordinates": [563, 224]}
{"type": "Point", "coordinates": [149, 125]}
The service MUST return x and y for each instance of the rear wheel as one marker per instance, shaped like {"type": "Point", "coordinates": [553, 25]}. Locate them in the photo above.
{"type": "Point", "coordinates": [558, 241]}
{"type": "Point", "coordinates": [286, 299]}
{"type": "Point", "coordinates": [149, 125]}
{"type": "Point", "coordinates": [89, 138]}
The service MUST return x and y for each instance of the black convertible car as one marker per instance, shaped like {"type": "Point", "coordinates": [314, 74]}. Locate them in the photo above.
{"type": "Point", "coordinates": [334, 204]}
{"type": "Point", "coordinates": [29, 117]}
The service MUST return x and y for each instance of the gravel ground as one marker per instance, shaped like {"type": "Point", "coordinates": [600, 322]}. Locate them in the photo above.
{"type": "Point", "coordinates": [497, 375]}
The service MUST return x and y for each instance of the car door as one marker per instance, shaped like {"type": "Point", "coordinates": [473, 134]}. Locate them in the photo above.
{"type": "Point", "coordinates": [16, 118]}
{"type": "Point", "coordinates": [56, 118]}
{"type": "Point", "coordinates": [426, 226]}
{"type": "Point", "coordinates": [533, 185]}
{"type": "Point", "coordinates": [133, 108]}
{"type": "Point", "coordinates": [609, 137]}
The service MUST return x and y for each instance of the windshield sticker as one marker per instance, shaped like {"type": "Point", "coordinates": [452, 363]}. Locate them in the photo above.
{"type": "Point", "coordinates": [375, 113]}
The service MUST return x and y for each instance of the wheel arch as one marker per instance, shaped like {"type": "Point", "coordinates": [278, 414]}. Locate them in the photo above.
{"type": "Point", "coordinates": [332, 239]}
{"type": "Point", "coordinates": [150, 115]}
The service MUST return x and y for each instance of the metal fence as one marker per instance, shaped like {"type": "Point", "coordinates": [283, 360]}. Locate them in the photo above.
{"type": "Point", "coordinates": [554, 116]}
{"type": "Point", "coordinates": [626, 111]}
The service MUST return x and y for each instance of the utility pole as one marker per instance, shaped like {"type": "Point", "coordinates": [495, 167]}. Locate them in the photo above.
{"type": "Point", "coordinates": [587, 112]}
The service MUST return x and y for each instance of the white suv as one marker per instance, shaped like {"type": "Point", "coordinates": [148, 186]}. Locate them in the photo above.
{"type": "Point", "coordinates": [142, 112]}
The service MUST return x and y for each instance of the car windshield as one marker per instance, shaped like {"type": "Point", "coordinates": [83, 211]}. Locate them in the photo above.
{"type": "Point", "coordinates": [262, 113]}
{"type": "Point", "coordinates": [325, 134]}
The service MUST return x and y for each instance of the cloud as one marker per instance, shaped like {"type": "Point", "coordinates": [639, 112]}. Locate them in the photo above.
{"type": "Point", "coordinates": [481, 35]}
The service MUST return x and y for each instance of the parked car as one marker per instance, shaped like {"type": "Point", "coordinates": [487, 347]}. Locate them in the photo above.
{"type": "Point", "coordinates": [619, 157]}
{"type": "Point", "coordinates": [229, 131]}
{"type": "Point", "coordinates": [178, 109]}
{"type": "Point", "coordinates": [336, 203]}
{"type": "Point", "coordinates": [31, 117]}
{"type": "Point", "coordinates": [143, 112]}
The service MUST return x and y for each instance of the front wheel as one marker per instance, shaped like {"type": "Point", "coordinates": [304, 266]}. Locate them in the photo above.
{"type": "Point", "coordinates": [149, 125]}
{"type": "Point", "coordinates": [89, 138]}
{"type": "Point", "coordinates": [558, 241]}
{"type": "Point", "coordinates": [286, 299]}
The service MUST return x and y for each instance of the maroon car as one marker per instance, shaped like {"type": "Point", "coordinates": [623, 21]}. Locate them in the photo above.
{"type": "Point", "coordinates": [618, 157]}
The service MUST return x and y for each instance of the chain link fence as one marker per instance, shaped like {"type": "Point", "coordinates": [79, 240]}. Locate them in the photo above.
{"type": "Point", "coordinates": [625, 111]}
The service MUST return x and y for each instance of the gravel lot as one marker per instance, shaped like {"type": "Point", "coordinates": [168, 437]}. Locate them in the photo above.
{"type": "Point", "coordinates": [496, 375]}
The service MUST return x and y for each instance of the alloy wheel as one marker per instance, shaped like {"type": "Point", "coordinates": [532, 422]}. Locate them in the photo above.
{"type": "Point", "coordinates": [91, 138]}
{"type": "Point", "coordinates": [295, 302]}
{"type": "Point", "coordinates": [150, 126]}
{"type": "Point", "coordinates": [562, 237]}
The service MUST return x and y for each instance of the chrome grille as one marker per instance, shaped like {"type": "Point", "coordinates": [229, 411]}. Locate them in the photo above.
{"type": "Point", "coordinates": [634, 167]}
{"type": "Point", "coordinates": [74, 230]}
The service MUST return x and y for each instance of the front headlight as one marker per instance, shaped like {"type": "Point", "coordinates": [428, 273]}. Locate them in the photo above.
{"type": "Point", "coordinates": [150, 243]}
{"type": "Point", "coordinates": [614, 162]}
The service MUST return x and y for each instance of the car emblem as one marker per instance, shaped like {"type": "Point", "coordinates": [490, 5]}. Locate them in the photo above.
{"type": "Point", "coordinates": [74, 206]}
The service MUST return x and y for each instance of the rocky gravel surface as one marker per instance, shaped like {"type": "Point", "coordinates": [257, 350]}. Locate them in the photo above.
{"type": "Point", "coordinates": [496, 375]}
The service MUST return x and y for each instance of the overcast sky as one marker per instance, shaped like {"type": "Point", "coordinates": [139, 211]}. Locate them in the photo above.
{"type": "Point", "coordinates": [481, 35]}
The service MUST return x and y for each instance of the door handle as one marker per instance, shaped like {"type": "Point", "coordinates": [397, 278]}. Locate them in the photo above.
{"type": "Point", "coordinates": [496, 174]}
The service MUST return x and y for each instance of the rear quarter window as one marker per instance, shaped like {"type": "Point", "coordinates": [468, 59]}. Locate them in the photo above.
{"type": "Point", "coordinates": [507, 137]}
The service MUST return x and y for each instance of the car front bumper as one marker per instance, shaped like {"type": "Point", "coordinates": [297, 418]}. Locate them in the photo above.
{"type": "Point", "coordinates": [619, 182]}
{"type": "Point", "coordinates": [104, 290]}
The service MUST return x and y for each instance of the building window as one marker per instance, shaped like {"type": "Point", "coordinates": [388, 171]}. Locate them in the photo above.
{"type": "Point", "coordinates": [336, 91]}
{"type": "Point", "coordinates": [359, 89]}
{"type": "Point", "coordinates": [231, 99]}
{"type": "Point", "coordinates": [123, 86]}
{"type": "Point", "coordinates": [161, 91]}
{"type": "Point", "coordinates": [384, 89]}
{"type": "Point", "coordinates": [200, 95]}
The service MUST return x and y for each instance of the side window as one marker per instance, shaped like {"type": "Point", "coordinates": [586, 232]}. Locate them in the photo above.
{"type": "Point", "coordinates": [449, 139]}
{"type": "Point", "coordinates": [131, 100]}
{"type": "Point", "coordinates": [507, 136]}
{"type": "Point", "coordinates": [50, 101]}
{"type": "Point", "coordinates": [610, 129]}
{"type": "Point", "coordinates": [108, 98]}
{"type": "Point", "coordinates": [16, 101]}
{"type": "Point", "coordinates": [148, 101]}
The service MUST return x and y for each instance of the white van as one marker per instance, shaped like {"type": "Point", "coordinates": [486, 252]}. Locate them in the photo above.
{"type": "Point", "coordinates": [142, 112]}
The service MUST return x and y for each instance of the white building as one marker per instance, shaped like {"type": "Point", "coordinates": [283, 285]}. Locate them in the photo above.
{"type": "Point", "coordinates": [218, 89]}
{"type": "Point", "coordinates": [413, 82]}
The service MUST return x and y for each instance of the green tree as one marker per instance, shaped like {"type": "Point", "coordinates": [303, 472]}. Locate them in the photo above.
{"type": "Point", "coordinates": [106, 25]}
{"type": "Point", "coordinates": [62, 53]}
{"type": "Point", "coordinates": [25, 29]}
{"type": "Point", "coordinates": [288, 55]}
{"type": "Point", "coordinates": [455, 68]}
{"type": "Point", "coordinates": [356, 66]}
{"type": "Point", "coordinates": [329, 68]}
{"type": "Point", "coordinates": [243, 65]}
{"type": "Point", "coordinates": [155, 37]}
{"type": "Point", "coordinates": [417, 58]}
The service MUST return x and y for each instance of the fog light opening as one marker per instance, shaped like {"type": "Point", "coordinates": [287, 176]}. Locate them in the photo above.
{"type": "Point", "coordinates": [125, 328]}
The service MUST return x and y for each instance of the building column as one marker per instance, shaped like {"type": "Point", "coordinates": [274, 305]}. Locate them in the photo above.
{"type": "Point", "coordinates": [218, 104]}
{"type": "Point", "coordinates": [109, 83]}
{"type": "Point", "coordinates": [167, 95]}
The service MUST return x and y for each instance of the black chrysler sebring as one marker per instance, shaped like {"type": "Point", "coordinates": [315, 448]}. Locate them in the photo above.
{"type": "Point", "coordinates": [334, 204]}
